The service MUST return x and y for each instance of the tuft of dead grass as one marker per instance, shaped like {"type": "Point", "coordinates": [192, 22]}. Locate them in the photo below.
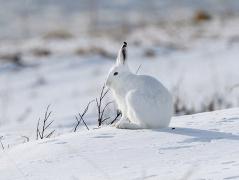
{"type": "Point", "coordinates": [58, 34]}
{"type": "Point", "coordinates": [41, 52]}
{"type": "Point", "coordinates": [201, 16]}
{"type": "Point", "coordinates": [94, 50]}
{"type": "Point", "coordinates": [15, 58]}
{"type": "Point", "coordinates": [150, 53]}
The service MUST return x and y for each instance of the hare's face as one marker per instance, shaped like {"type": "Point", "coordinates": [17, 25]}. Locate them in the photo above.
{"type": "Point", "coordinates": [119, 69]}
{"type": "Point", "coordinates": [114, 75]}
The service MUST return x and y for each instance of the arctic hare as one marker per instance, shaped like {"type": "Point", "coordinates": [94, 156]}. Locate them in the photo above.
{"type": "Point", "coordinates": [143, 100]}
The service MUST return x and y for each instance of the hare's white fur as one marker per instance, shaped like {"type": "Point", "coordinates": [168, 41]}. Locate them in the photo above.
{"type": "Point", "coordinates": [143, 100]}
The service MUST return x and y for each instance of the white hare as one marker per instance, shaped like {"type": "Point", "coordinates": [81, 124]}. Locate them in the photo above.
{"type": "Point", "coordinates": [143, 100]}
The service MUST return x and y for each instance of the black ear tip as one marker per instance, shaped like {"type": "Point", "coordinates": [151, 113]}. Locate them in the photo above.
{"type": "Point", "coordinates": [125, 44]}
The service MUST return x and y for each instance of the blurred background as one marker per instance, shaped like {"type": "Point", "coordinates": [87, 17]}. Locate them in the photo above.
{"type": "Point", "coordinates": [59, 52]}
{"type": "Point", "coordinates": [31, 18]}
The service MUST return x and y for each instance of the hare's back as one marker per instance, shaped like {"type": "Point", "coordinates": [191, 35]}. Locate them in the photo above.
{"type": "Point", "coordinates": [151, 84]}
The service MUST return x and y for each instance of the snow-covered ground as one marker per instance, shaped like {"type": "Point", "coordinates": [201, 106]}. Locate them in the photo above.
{"type": "Point", "coordinates": [202, 146]}
{"type": "Point", "coordinates": [196, 61]}
{"type": "Point", "coordinates": [202, 75]}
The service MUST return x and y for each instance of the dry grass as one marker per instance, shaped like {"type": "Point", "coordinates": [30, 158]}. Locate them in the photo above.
{"type": "Point", "coordinates": [216, 102]}
{"type": "Point", "coordinates": [94, 50]}
{"type": "Point", "coordinates": [201, 16]}
{"type": "Point", "coordinates": [41, 131]}
{"type": "Point", "coordinates": [15, 58]}
{"type": "Point", "coordinates": [58, 34]}
{"type": "Point", "coordinates": [101, 107]}
{"type": "Point", "coordinates": [150, 53]}
{"type": "Point", "coordinates": [40, 52]}
{"type": "Point", "coordinates": [80, 117]}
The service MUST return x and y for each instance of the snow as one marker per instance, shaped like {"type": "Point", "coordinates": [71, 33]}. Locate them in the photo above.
{"type": "Point", "coordinates": [68, 82]}
{"type": "Point", "coordinates": [202, 146]}
{"type": "Point", "coordinates": [197, 62]}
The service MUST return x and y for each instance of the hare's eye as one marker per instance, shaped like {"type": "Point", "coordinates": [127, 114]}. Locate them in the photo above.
{"type": "Point", "coordinates": [115, 73]}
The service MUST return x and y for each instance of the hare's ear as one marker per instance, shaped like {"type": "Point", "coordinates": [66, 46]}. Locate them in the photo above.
{"type": "Point", "coordinates": [121, 59]}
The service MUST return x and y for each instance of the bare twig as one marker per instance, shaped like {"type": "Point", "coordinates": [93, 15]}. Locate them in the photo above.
{"type": "Point", "coordinates": [49, 135]}
{"type": "Point", "coordinates": [100, 108]}
{"type": "Point", "coordinates": [84, 122]}
{"type": "Point", "coordinates": [1, 137]}
{"type": "Point", "coordinates": [102, 113]}
{"type": "Point", "coordinates": [81, 118]}
{"type": "Point", "coordinates": [37, 131]}
{"type": "Point", "coordinates": [138, 69]}
{"type": "Point", "coordinates": [27, 138]}
{"type": "Point", "coordinates": [118, 114]}
{"type": "Point", "coordinates": [77, 123]}
{"type": "Point", "coordinates": [41, 132]}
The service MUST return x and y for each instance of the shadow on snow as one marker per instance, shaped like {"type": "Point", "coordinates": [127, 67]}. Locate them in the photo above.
{"type": "Point", "coordinates": [200, 135]}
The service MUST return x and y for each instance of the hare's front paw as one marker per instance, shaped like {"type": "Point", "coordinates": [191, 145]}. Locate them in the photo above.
{"type": "Point", "coordinates": [122, 125]}
{"type": "Point", "coordinates": [127, 125]}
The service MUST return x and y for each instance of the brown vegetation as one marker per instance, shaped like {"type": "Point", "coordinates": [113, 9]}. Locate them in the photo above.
{"type": "Point", "coordinates": [58, 34]}
{"type": "Point", "coordinates": [201, 16]}
{"type": "Point", "coordinates": [94, 50]}
{"type": "Point", "coordinates": [40, 52]}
